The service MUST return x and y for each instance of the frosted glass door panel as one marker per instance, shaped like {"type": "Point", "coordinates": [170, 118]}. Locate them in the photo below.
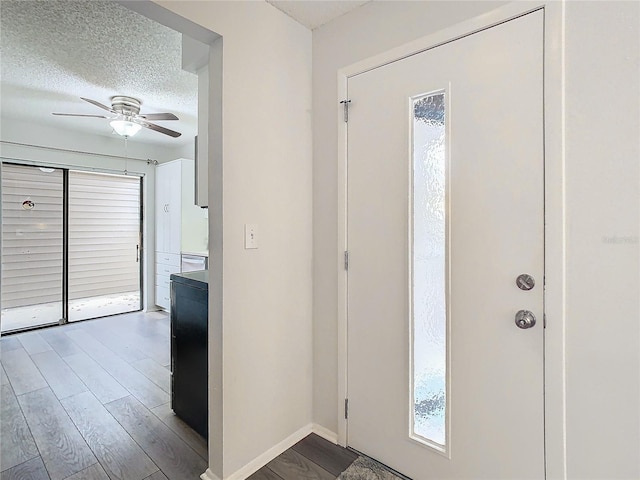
{"type": "Point", "coordinates": [429, 273]}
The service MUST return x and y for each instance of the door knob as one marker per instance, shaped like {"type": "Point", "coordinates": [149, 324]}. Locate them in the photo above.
{"type": "Point", "coordinates": [525, 319]}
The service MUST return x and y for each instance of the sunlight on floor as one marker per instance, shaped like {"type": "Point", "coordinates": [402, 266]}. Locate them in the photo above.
{"type": "Point", "coordinates": [80, 309]}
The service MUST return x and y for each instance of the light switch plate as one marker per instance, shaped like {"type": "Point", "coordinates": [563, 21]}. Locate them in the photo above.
{"type": "Point", "coordinates": [250, 236]}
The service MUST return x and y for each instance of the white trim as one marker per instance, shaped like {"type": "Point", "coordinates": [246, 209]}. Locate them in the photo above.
{"type": "Point", "coordinates": [325, 433]}
{"type": "Point", "coordinates": [261, 460]}
{"type": "Point", "coordinates": [468, 27]}
{"type": "Point", "coordinates": [342, 274]}
{"type": "Point", "coordinates": [555, 214]}
{"type": "Point", "coordinates": [209, 475]}
{"type": "Point", "coordinates": [555, 242]}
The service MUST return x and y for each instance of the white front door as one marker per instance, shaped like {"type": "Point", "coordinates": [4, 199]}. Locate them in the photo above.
{"type": "Point", "coordinates": [445, 200]}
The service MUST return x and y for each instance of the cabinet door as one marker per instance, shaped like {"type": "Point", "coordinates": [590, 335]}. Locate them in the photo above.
{"type": "Point", "coordinates": [163, 183]}
{"type": "Point", "coordinates": [168, 218]}
{"type": "Point", "coordinates": [163, 297]}
{"type": "Point", "coordinates": [189, 306]}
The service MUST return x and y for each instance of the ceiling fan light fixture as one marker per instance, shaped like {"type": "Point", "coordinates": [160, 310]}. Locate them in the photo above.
{"type": "Point", "coordinates": [125, 127]}
{"type": "Point", "coordinates": [128, 121]}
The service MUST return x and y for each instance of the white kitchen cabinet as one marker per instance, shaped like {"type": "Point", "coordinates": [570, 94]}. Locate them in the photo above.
{"type": "Point", "coordinates": [180, 224]}
{"type": "Point", "coordinates": [168, 206]}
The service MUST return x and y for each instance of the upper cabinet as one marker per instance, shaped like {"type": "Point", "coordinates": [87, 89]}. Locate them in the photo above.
{"type": "Point", "coordinates": [209, 139]}
{"type": "Point", "coordinates": [204, 59]}
{"type": "Point", "coordinates": [202, 139]}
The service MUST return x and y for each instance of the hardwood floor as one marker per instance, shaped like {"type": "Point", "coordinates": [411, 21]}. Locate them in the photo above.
{"type": "Point", "coordinates": [77, 400]}
{"type": "Point", "coordinates": [91, 401]}
{"type": "Point", "coordinates": [312, 458]}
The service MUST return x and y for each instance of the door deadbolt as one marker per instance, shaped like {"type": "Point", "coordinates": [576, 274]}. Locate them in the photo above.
{"type": "Point", "coordinates": [525, 282]}
{"type": "Point", "coordinates": [525, 319]}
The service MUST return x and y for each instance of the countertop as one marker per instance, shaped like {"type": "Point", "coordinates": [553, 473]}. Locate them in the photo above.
{"type": "Point", "coordinates": [198, 279]}
{"type": "Point", "coordinates": [197, 254]}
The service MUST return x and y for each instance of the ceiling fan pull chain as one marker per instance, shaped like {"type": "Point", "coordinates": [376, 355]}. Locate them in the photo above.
{"type": "Point", "coordinates": [126, 155]}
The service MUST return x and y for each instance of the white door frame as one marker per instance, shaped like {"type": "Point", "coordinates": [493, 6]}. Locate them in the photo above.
{"type": "Point", "coordinates": [554, 197]}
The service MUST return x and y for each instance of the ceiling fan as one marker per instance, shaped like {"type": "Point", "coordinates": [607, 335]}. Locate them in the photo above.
{"type": "Point", "coordinates": [128, 120]}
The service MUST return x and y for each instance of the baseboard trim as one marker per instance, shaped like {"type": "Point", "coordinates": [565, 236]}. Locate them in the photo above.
{"type": "Point", "coordinates": [261, 460]}
{"type": "Point", "coordinates": [209, 475]}
{"type": "Point", "coordinates": [325, 433]}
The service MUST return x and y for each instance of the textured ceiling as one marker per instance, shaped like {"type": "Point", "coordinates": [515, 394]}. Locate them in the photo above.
{"type": "Point", "coordinates": [52, 52]}
{"type": "Point", "coordinates": [313, 13]}
{"type": "Point", "coordinates": [55, 51]}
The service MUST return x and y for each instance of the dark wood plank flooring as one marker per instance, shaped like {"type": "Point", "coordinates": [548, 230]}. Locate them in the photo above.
{"type": "Point", "coordinates": [312, 458]}
{"type": "Point", "coordinates": [331, 457]}
{"type": "Point", "coordinates": [90, 401]}
{"type": "Point", "coordinates": [61, 446]}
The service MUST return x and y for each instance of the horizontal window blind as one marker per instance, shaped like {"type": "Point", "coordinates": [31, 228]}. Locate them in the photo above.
{"type": "Point", "coordinates": [104, 231]}
{"type": "Point", "coordinates": [31, 237]}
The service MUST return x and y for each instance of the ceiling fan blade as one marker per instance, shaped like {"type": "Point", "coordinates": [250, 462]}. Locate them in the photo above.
{"type": "Point", "coordinates": [78, 115]}
{"type": "Point", "coordinates": [158, 128]}
{"type": "Point", "coordinates": [159, 116]}
{"type": "Point", "coordinates": [99, 105]}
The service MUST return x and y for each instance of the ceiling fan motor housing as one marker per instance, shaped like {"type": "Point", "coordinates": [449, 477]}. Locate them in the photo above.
{"type": "Point", "coordinates": [127, 106]}
{"type": "Point", "coordinates": [127, 109]}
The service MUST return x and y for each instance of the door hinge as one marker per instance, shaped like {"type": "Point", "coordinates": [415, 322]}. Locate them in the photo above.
{"type": "Point", "coordinates": [345, 104]}
{"type": "Point", "coordinates": [544, 320]}
{"type": "Point", "coordinates": [346, 408]}
{"type": "Point", "coordinates": [346, 260]}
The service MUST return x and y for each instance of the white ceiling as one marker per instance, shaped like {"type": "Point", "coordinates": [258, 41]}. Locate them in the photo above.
{"type": "Point", "coordinates": [313, 13]}
{"type": "Point", "coordinates": [52, 52]}
{"type": "Point", "coordinates": [55, 51]}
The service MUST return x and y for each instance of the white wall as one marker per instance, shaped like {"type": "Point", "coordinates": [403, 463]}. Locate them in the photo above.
{"type": "Point", "coordinates": [12, 130]}
{"type": "Point", "coordinates": [602, 215]}
{"type": "Point", "coordinates": [603, 200]}
{"type": "Point", "coordinates": [266, 297]}
{"type": "Point", "coordinates": [338, 44]}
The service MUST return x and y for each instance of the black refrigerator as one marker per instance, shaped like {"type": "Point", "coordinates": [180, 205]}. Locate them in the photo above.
{"type": "Point", "coordinates": [189, 330]}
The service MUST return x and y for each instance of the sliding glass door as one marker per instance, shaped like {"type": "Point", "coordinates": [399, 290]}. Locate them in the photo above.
{"type": "Point", "coordinates": [71, 245]}
{"type": "Point", "coordinates": [32, 246]}
{"type": "Point", "coordinates": [104, 245]}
